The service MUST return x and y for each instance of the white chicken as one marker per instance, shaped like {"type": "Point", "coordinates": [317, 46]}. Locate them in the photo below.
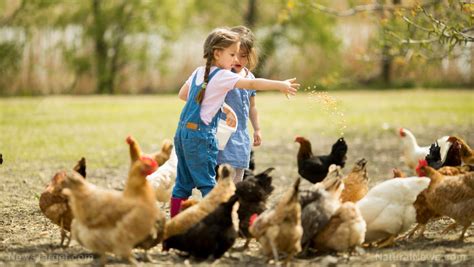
{"type": "Point", "coordinates": [412, 152]}
{"type": "Point", "coordinates": [163, 179]}
{"type": "Point", "coordinates": [388, 208]}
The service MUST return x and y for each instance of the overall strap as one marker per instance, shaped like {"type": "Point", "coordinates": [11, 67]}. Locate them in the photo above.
{"type": "Point", "coordinates": [213, 73]}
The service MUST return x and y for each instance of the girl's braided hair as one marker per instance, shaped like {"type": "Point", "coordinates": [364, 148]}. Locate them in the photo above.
{"type": "Point", "coordinates": [219, 38]}
{"type": "Point", "coordinates": [247, 42]}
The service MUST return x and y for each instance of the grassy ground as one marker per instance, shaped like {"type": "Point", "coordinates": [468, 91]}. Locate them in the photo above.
{"type": "Point", "coordinates": [38, 136]}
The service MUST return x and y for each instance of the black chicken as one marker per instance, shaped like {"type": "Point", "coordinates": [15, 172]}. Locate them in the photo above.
{"type": "Point", "coordinates": [212, 236]}
{"type": "Point", "coordinates": [253, 193]}
{"type": "Point", "coordinates": [315, 168]}
{"type": "Point", "coordinates": [1, 158]}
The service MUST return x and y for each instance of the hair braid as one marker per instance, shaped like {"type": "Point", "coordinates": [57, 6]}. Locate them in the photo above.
{"type": "Point", "coordinates": [201, 93]}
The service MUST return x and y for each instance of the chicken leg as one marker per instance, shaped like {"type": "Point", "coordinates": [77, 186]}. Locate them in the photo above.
{"type": "Point", "coordinates": [450, 227]}
{"type": "Point", "coordinates": [64, 235]}
{"type": "Point", "coordinates": [386, 242]}
{"type": "Point", "coordinates": [461, 238]}
{"type": "Point", "coordinates": [274, 250]}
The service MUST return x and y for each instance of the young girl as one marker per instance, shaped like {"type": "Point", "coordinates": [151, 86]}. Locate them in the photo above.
{"type": "Point", "coordinates": [204, 93]}
{"type": "Point", "coordinates": [237, 150]}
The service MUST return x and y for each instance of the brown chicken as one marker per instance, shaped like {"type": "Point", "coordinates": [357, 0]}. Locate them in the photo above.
{"type": "Point", "coordinates": [158, 233]}
{"type": "Point", "coordinates": [54, 204]}
{"type": "Point", "coordinates": [424, 213]}
{"type": "Point", "coordinates": [160, 157]}
{"type": "Point", "coordinates": [451, 196]}
{"type": "Point", "coordinates": [467, 154]}
{"type": "Point", "coordinates": [278, 229]}
{"type": "Point", "coordinates": [344, 231]}
{"type": "Point", "coordinates": [356, 184]}
{"type": "Point", "coordinates": [221, 193]}
{"type": "Point", "coordinates": [112, 221]}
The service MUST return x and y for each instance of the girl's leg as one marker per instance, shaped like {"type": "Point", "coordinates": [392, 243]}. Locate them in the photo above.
{"type": "Point", "coordinates": [184, 183]}
{"type": "Point", "coordinates": [239, 175]}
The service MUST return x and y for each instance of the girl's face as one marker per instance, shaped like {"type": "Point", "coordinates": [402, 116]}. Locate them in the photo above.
{"type": "Point", "coordinates": [243, 60]}
{"type": "Point", "coordinates": [227, 57]}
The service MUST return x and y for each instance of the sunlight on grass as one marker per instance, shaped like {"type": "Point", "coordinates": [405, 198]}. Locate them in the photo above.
{"type": "Point", "coordinates": [62, 129]}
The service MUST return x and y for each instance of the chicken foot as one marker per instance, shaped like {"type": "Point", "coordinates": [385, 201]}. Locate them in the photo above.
{"type": "Point", "coordinates": [147, 257]}
{"type": "Point", "coordinates": [244, 247]}
{"type": "Point", "coordinates": [386, 242]}
{"type": "Point", "coordinates": [410, 234]}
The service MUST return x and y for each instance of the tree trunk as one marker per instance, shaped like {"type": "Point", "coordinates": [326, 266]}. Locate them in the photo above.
{"type": "Point", "coordinates": [102, 84]}
{"type": "Point", "coordinates": [251, 16]}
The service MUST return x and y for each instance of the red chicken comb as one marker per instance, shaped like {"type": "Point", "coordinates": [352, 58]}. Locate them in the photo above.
{"type": "Point", "coordinates": [421, 163]}
{"type": "Point", "coordinates": [401, 132]}
{"type": "Point", "coordinates": [150, 162]}
{"type": "Point", "coordinates": [252, 219]}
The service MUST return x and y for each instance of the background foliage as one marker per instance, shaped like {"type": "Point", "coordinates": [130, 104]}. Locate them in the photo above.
{"type": "Point", "coordinates": [149, 46]}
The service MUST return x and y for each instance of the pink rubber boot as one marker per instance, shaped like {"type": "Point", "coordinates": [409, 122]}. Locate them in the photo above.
{"type": "Point", "coordinates": [175, 205]}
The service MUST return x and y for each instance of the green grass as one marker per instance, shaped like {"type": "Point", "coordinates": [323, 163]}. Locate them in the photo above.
{"type": "Point", "coordinates": [57, 130]}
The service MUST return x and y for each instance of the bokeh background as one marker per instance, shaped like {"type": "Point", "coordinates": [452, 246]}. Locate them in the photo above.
{"type": "Point", "coordinates": [151, 46]}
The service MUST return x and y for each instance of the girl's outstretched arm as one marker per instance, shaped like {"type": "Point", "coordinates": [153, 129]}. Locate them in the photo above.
{"type": "Point", "coordinates": [287, 87]}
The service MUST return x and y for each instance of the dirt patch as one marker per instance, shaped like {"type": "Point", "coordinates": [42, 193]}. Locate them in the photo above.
{"type": "Point", "coordinates": [26, 236]}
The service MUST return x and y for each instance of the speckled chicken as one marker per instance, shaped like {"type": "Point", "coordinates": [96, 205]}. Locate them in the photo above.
{"type": "Point", "coordinates": [356, 184]}
{"type": "Point", "coordinates": [318, 204]}
{"type": "Point", "coordinates": [54, 204]}
{"type": "Point", "coordinates": [278, 229]}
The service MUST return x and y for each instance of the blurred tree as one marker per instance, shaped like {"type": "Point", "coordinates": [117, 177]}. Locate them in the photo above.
{"type": "Point", "coordinates": [104, 24]}
{"type": "Point", "coordinates": [428, 29]}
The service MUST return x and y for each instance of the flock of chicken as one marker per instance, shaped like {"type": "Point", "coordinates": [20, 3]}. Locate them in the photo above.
{"type": "Point", "coordinates": [337, 213]}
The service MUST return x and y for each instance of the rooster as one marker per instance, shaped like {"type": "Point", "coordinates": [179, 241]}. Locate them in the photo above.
{"type": "Point", "coordinates": [315, 168]}
{"type": "Point", "coordinates": [278, 229]}
{"type": "Point", "coordinates": [467, 154]}
{"type": "Point", "coordinates": [54, 204]}
{"type": "Point", "coordinates": [112, 221]}
{"type": "Point", "coordinates": [356, 184]}
{"type": "Point", "coordinates": [212, 236]}
{"type": "Point", "coordinates": [412, 152]}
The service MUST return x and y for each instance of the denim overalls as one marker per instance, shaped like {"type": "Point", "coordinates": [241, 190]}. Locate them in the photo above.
{"type": "Point", "coordinates": [237, 151]}
{"type": "Point", "coordinates": [196, 147]}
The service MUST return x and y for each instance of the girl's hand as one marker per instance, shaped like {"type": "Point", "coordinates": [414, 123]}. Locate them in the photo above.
{"type": "Point", "coordinates": [290, 87]}
{"type": "Point", "coordinates": [257, 138]}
